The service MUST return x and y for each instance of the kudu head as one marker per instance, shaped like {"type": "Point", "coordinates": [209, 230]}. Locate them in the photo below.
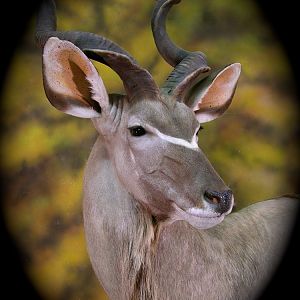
{"type": "Point", "coordinates": [150, 133]}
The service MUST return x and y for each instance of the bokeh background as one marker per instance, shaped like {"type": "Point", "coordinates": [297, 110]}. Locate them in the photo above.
{"type": "Point", "coordinates": [253, 146]}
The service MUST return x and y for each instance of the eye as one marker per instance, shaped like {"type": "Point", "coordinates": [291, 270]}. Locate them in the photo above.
{"type": "Point", "coordinates": [137, 131]}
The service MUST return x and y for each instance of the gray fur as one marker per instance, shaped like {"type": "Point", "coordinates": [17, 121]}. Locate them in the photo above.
{"type": "Point", "coordinates": [233, 260]}
{"type": "Point", "coordinates": [156, 213]}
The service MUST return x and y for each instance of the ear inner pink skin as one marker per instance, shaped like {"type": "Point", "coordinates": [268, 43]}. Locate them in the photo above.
{"type": "Point", "coordinates": [218, 96]}
{"type": "Point", "coordinates": [72, 83]}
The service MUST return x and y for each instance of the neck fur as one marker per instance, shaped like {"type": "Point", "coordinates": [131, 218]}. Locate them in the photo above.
{"type": "Point", "coordinates": [124, 230]}
{"type": "Point", "coordinates": [137, 254]}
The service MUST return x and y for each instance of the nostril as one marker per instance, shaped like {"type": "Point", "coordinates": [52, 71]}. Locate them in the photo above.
{"type": "Point", "coordinates": [221, 200]}
{"type": "Point", "coordinates": [212, 197]}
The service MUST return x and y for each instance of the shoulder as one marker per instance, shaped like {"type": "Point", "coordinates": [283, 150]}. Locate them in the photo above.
{"type": "Point", "coordinates": [276, 215]}
{"type": "Point", "coordinates": [286, 204]}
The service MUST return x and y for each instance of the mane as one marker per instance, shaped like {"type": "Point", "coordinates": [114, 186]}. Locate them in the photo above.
{"type": "Point", "coordinates": [136, 257]}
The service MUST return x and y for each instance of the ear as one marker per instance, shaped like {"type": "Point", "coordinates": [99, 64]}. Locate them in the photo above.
{"type": "Point", "coordinates": [213, 101]}
{"type": "Point", "coordinates": [71, 81]}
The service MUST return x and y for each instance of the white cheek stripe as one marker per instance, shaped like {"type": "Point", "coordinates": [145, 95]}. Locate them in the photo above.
{"type": "Point", "coordinates": [191, 145]}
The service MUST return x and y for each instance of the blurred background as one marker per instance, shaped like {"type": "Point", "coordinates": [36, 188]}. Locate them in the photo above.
{"type": "Point", "coordinates": [43, 152]}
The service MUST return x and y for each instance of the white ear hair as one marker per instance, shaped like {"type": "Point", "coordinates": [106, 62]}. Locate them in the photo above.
{"type": "Point", "coordinates": [71, 81]}
{"type": "Point", "coordinates": [215, 100]}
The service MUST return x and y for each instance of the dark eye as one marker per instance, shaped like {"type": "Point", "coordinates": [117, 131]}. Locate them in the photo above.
{"type": "Point", "coordinates": [137, 131]}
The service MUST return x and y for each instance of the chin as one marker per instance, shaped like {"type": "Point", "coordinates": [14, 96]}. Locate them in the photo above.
{"type": "Point", "coordinates": [198, 217]}
{"type": "Point", "coordinates": [204, 223]}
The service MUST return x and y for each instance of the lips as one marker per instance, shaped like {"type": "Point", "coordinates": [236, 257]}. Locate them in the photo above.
{"type": "Point", "coordinates": [203, 213]}
{"type": "Point", "coordinates": [199, 218]}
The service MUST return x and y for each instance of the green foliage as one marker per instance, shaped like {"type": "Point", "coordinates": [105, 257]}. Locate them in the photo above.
{"type": "Point", "coordinates": [44, 151]}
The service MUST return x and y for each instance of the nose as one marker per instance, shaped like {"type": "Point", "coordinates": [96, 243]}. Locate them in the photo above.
{"type": "Point", "coordinates": [221, 202]}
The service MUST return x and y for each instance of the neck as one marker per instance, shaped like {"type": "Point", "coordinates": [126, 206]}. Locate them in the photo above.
{"type": "Point", "coordinates": [123, 229]}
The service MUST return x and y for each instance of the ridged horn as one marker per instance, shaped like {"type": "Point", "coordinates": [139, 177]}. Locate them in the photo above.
{"type": "Point", "coordinates": [137, 81]}
{"type": "Point", "coordinates": [189, 67]}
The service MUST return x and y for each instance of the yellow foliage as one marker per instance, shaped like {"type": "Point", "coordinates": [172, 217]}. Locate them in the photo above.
{"type": "Point", "coordinates": [34, 141]}
{"type": "Point", "coordinates": [31, 218]}
{"type": "Point", "coordinates": [251, 146]}
{"type": "Point", "coordinates": [137, 48]}
{"type": "Point", "coordinates": [264, 103]}
{"type": "Point", "coordinates": [66, 196]}
{"type": "Point", "coordinates": [112, 81]}
{"type": "Point", "coordinates": [79, 21]}
{"type": "Point", "coordinates": [59, 264]}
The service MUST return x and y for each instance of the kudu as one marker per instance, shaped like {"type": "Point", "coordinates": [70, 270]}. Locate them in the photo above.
{"type": "Point", "coordinates": [155, 211]}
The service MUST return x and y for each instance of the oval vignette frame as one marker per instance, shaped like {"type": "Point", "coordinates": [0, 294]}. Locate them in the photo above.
{"type": "Point", "coordinates": [282, 19]}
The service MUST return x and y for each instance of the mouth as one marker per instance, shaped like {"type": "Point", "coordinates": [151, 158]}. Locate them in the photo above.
{"type": "Point", "coordinates": [202, 213]}
{"type": "Point", "coordinates": [200, 218]}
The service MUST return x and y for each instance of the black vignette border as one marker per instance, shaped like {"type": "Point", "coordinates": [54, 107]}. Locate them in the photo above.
{"type": "Point", "coordinates": [14, 281]}
{"type": "Point", "coordinates": [282, 16]}
{"type": "Point", "coordinates": [283, 20]}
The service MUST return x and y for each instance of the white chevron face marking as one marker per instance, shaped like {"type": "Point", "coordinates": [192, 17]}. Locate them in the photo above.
{"type": "Point", "coordinates": [177, 141]}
